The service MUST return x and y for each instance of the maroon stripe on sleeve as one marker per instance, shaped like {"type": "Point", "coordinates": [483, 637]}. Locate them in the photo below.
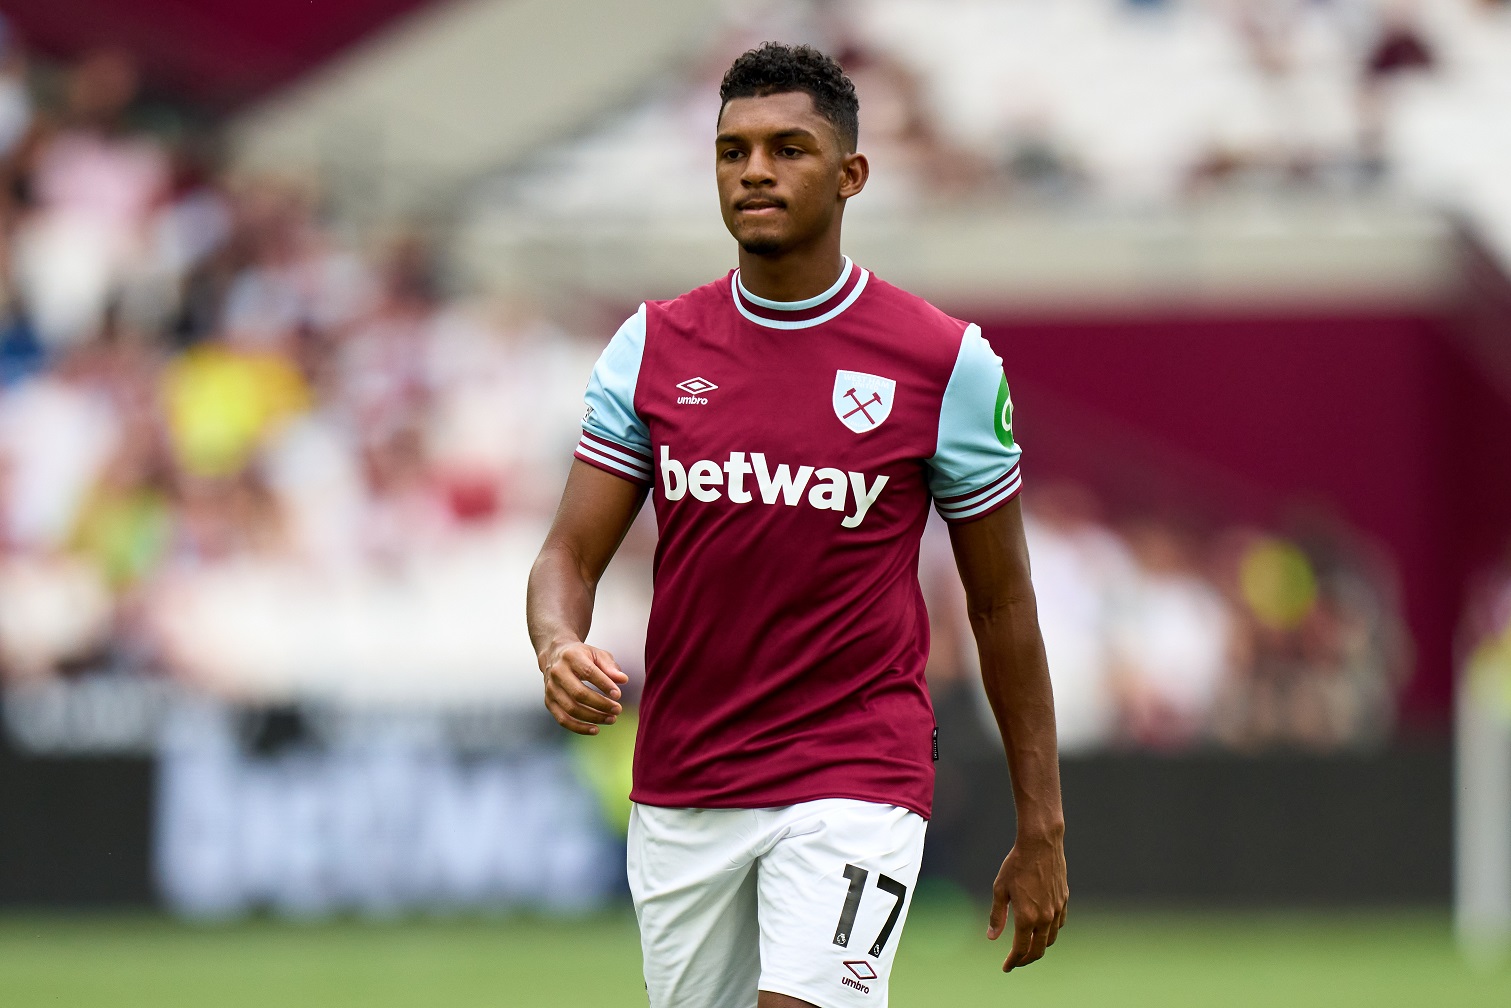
{"type": "Point", "coordinates": [966, 515]}
{"type": "Point", "coordinates": [615, 448]}
{"type": "Point", "coordinates": [994, 484]}
{"type": "Point", "coordinates": [595, 455]}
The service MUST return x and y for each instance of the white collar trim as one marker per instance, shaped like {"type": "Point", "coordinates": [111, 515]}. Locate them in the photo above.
{"type": "Point", "coordinates": [737, 290]}
{"type": "Point", "coordinates": [812, 302]}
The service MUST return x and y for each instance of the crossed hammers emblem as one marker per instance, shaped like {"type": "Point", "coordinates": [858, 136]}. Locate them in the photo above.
{"type": "Point", "coordinates": [860, 407]}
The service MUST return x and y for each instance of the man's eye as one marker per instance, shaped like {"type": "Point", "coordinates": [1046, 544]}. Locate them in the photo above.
{"type": "Point", "coordinates": [791, 152]}
{"type": "Point", "coordinates": [730, 154]}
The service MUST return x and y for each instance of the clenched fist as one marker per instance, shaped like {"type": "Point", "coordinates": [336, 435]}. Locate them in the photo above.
{"type": "Point", "coordinates": [582, 687]}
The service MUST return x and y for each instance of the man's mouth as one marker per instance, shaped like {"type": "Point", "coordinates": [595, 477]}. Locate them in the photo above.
{"type": "Point", "coordinates": [759, 205]}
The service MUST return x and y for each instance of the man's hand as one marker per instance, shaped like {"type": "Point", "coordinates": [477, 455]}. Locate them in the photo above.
{"type": "Point", "coordinates": [1032, 881]}
{"type": "Point", "coordinates": [571, 675]}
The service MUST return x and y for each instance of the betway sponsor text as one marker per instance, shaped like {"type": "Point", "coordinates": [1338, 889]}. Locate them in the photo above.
{"type": "Point", "coordinates": [827, 489]}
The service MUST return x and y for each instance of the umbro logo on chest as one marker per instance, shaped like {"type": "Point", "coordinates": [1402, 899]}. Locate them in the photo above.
{"type": "Point", "coordinates": [695, 389]}
{"type": "Point", "coordinates": [861, 401]}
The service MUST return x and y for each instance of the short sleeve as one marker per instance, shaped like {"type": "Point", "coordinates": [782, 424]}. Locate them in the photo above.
{"type": "Point", "coordinates": [974, 470]}
{"type": "Point", "coordinates": [614, 438]}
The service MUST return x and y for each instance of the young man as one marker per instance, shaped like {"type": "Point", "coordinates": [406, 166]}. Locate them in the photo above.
{"type": "Point", "coordinates": [793, 421]}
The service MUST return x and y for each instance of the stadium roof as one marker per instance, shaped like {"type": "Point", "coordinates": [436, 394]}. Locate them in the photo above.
{"type": "Point", "coordinates": [219, 53]}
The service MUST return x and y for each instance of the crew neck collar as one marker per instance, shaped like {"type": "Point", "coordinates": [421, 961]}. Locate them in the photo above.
{"type": "Point", "coordinates": [801, 314]}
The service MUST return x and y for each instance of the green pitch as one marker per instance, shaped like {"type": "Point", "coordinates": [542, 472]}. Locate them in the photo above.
{"type": "Point", "coordinates": [1103, 958]}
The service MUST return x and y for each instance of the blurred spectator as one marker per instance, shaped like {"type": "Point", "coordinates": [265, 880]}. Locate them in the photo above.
{"type": "Point", "coordinates": [1082, 576]}
{"type": "Point", "coordinates": [56, 433]}
{"type": "Point", "coordinates": [221, 401]}
{"type": "Point", "coordinates": [1488, 613]}
{"type": "Point", "coordinates": [1173, 643]}
{"type": "Point", "coordinates": [15, 97]}
{"type": "Point", "coordinates": [124, 524]}
{"type": "Point", "coordinates": [1401, 49]}
{"type": "Point", "coordinates": [94, 186]}
{"type": "Point", "coordinates": [55, 614]}
{"type": "Point", "coordinates": [1036, 165]}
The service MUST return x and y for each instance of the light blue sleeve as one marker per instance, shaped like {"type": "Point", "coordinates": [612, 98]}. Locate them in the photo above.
{"type": "Point", "coordinates": [614, 438]}
{"type": "Point", "coordinates": [974, 469]}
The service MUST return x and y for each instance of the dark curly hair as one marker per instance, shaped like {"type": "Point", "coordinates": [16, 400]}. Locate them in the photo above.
{"type": "Point", "coordinates": [774, 68]}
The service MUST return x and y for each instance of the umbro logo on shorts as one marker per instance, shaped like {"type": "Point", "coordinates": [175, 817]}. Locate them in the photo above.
{"type": "Point", "coordinates": [862, 970]}
{"type": "Point", "coordinates": [695, 389]}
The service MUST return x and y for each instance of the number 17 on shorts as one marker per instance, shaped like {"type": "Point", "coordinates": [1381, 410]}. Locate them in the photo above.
{"type": "Point", "coordinates": [857, 877]}
{"type": "Point", "coordinates": [833, 904]}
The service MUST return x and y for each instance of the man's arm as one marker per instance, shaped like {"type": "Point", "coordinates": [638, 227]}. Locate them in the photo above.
{"type": "Point", "coordinates": [993, 559]}
{"type": "Point", "coordinates": [595, 513]}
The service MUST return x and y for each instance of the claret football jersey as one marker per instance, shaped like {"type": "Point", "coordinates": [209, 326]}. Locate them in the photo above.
{"type": "Point", "coordinates": [792, 451]}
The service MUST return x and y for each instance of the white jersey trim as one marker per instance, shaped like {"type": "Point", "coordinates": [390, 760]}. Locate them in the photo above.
{"type": "Point", "coordinates": [620, 460]}
{"type": "Point", "coordinates": [981, 506]}
{"type": "Point", "coordinates": [812, 302]}
{"type": "Point", "coordinates": [736, 289]}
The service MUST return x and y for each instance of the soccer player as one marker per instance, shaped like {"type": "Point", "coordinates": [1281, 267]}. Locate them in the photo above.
{"type": "Point", "coordinates": [792, 422]}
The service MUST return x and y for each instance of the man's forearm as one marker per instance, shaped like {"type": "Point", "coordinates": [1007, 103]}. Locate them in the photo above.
{"type": "Point", "coordinates": [558, 602]}
{"type": "Point", "coordinates": [1016, 676]}
{"type": "Point", "coordinates": [595, 514]}
{"type": "Point", "coordinates": [582, 683]}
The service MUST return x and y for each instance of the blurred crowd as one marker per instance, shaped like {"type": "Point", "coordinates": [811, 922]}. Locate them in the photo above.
{"type": "Point", "coordinates": [242, 452]}
{"type": "Point", "coordinates": [1147, 101]}
{"type": "Point", "coordinates": [235, 450]}
{"type": "Point", "coordinates": [1166, 636]}
{"type": "Point", "coordinates": [1126, 104]}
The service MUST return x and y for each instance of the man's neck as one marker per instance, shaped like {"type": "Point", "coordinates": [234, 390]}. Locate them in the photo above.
{"type": "Point", "coordinates": [793, 276]}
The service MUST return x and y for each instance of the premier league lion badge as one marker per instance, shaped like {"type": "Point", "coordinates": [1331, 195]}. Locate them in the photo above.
{"type": "Point", "coordinates": [862, 401]}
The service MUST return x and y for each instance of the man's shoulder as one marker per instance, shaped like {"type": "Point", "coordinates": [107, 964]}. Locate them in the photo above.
{"type": "Point", "coordinates": [913, 312]}
{"type": "Point", "coordinates": [696, 304]}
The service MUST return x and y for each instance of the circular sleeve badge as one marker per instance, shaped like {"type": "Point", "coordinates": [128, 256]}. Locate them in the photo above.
{"type": "Point", "coordinates": [1002, 418]}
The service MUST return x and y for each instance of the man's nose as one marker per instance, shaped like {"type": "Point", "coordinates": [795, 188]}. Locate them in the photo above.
{"type": "Point", "coordinates": [757, 170]}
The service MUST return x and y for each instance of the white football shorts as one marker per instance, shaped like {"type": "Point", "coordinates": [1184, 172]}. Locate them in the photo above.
{"type": "Point", "coordinates": [806, 900]}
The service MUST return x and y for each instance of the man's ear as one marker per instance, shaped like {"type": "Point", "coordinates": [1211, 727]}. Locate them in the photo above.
{"type": "Point", "coordinates": [854, 171]}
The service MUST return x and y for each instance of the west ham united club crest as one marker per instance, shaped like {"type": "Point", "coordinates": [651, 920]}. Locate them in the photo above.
{"type": "Point", "coordinates": [862, 401]}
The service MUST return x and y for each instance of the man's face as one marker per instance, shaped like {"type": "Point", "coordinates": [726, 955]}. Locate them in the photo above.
{"type": "Point", "coordinates": [783, 174]}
